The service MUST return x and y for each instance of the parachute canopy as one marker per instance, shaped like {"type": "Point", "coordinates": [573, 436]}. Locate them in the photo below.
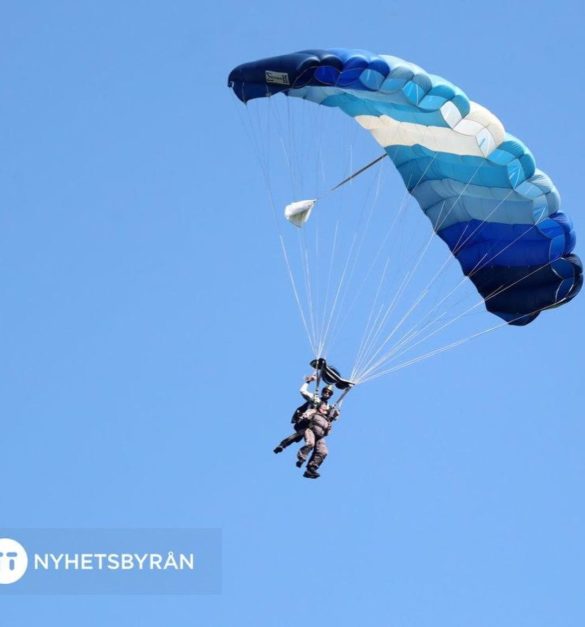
{"type": "Point", "coordinates": [477, 184]}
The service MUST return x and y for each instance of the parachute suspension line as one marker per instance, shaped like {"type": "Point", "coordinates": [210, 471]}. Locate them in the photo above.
{"type": "Point", "coordinates": [318, 303]}
{"type": "Point", "coordinates": [284, 133]}
{"type": "Point", "coordinates": [430, 354]}
{"type": "Point", "coordinates": [369, 375]}
{"type": "Point", "coordinates": [284, 130]}
{"type": "Point", "coordinates": [263, 161]}
{"type": "Point", "coordinates": [331, 313]}
{"type": "Point", "coordinates": [380, 324]}
{"type": "Point", "coordinates": [291, 150]}
{"type": "Point", "coordinates": [265, 169]}
{"type": "Point", "coordinates": [314, 321]}
{"type": "Point", "coordinates": [416, 329]}
{"type": "Point", "coordinates": [279, 229]}
{"type": "Point", "coordinates": [371, 333]}
{"type": "Point", "coordinates": [410, 335]}
{"type": "Point", "coordinates": [374, 193]}
{"type": "Point", "coordinates": [368, 329]}
{"type": "Point", "coordinates": [289, 145]}
{"type": "Point", "coordinates": [453, 344]}
{"type": "Point", "coordinates": [308, 287]}
{"type": "Point", "coordinates": [320, 329]}
{"type": "Point", "coordinates": [327, 292]}
{"type": "Point", "coordinates": [253, 138]}
{"type": "Point", "coordinates": [407, 278]}
{"type": "Point", "coordinates": [405, 338]}
{"type": "Point", "coordinates": [397, 215]}
{"type": "Point", "coordinates": [367, 366]}
{"type": "Point", "coordinates": [288, 150]}
{"type": "Point", "coordinates": [463, 281]}
{"type": "Point", "coordinates": [449, 259]}
{"type": "Point", "coordinates": [337, 293]}
{"type": "Point", "coordinates": [321, 302]}
{"type": "Point", "coordinates": [313, 287]}
{"type": "Point", "coordinates": [320, 170]}
{"type": "Point", "coordinates": [431, 238]}
{"type": "Point", "coordinates": [397, 326]}
{"type": "Point", "coordinates": [404, 204]}
{"type": "Point", "coordinates": [451, 256]}
{"type": "Point", "coordinates": [312, 290]}
{"type": "Point", "coordinates": [425, 291]}
{"type": "Point", "coordinates": [296, 294]}
{"type": "Point", "coordinates": [367, 209]}
{"type": "Point", "coordinates": [371, 325]}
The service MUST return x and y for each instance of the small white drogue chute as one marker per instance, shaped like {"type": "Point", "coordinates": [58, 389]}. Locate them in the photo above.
{"type": "Point", "coordinates": [299, 212]}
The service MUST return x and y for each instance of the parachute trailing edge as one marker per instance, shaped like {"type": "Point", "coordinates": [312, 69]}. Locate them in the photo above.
{"type": "Point", "coordinates": [478, 185]}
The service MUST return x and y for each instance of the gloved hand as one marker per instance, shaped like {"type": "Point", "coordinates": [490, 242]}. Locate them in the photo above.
{"type": "Point", "coordinates": [310, 378]}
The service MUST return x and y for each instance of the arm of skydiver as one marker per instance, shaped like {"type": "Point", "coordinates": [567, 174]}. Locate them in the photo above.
{"type": "Point", "coordinates": [308, 396]}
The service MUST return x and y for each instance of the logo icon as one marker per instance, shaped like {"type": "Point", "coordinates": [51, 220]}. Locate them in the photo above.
{"type": "Point", "coordinates": [277, 78]}
{"type": "Point", "coordinates": [13, 561]}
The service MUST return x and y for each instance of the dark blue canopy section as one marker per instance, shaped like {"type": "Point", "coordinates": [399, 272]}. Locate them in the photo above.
{"type": "Point", "coordinates": [339, 67]}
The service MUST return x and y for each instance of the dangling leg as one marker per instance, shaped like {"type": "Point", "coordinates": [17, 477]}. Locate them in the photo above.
{"type": "Point", "coordinates": [320, 452]}
{"type": "Point", "coordinates": [305, 450]}
{"type": "Point", "coordinates": [297, 436]}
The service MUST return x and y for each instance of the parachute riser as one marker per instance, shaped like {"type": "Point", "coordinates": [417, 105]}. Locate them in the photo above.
{"type": "Point", "coordinates": [317, 380]}
{"type": "Point", "coordinates": [342, 397]}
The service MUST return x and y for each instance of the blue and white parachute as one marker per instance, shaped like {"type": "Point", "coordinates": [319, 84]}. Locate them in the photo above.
{"type": "Point", "coordinates": [477, 184]}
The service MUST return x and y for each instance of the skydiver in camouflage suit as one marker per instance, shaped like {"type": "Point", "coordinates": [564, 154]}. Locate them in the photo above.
{"type": "Point", "coordinates": [312, 422]}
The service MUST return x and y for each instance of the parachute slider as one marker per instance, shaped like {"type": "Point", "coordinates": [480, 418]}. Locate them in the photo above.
{"type": "Point", "coordinates": [299, 212]}
{"type": "Point", "coordinates": [331, 375]}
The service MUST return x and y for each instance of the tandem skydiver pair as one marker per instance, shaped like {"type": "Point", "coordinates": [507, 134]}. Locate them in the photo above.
{"type": "Point", "coordinates": [312, 421]}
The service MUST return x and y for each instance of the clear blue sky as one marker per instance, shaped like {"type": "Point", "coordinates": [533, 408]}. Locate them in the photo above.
{"type": "Point", "coordinates": [150, 352]}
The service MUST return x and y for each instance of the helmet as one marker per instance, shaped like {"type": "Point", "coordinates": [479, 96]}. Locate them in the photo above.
{"type": "Point", "coordinates": [328, 389]}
